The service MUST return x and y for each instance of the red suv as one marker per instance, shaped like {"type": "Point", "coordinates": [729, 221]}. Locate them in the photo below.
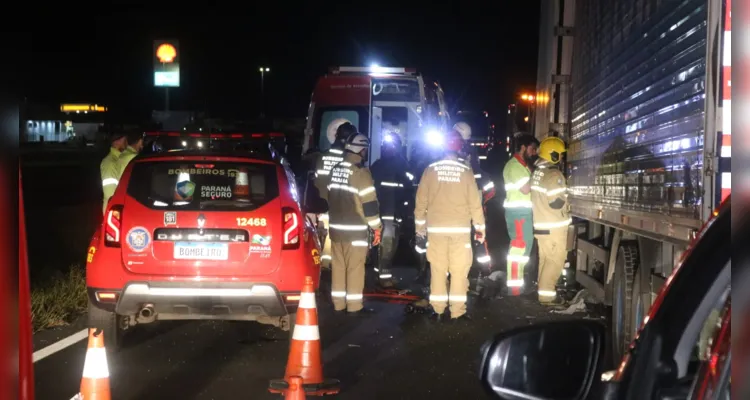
{"type": "Point", "coordinates": [201, 234]}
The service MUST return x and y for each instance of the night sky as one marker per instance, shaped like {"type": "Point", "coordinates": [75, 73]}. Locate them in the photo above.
{"type": "Point", "coordinates": [481, 55]}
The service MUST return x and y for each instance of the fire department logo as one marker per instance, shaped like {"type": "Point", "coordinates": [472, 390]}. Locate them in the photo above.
{"type": "Point", "coordinates": [138, 239]}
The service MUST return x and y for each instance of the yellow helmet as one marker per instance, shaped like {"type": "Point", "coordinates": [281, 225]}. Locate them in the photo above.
{"type": "Point", "coordinates": [551, 149]}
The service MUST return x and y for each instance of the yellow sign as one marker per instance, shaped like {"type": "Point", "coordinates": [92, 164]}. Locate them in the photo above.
{"type": "Point", "coordinates": [90, 256]}
{"type": "Point", "coordinates": [166, 53]}
{"type": "Point", "coordinates": [82, 107]}
{"type": "Point", "coordinates": [316, 256]}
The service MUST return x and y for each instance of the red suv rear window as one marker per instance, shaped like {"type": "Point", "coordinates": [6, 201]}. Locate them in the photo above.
{"type": "Point", "coordinates": [204, 185]}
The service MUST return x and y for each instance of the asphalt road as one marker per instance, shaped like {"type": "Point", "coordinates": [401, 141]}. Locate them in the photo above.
{"type": "Point", "coordinates": [386, 355]}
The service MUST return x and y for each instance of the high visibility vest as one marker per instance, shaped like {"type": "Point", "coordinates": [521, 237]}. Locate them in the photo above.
{"type": "Point", "coordinates": [110, 175]}
{"type": "Point", "coordinates": [516, 174]}
{"type": "Point", "coordinates": [125, 157]}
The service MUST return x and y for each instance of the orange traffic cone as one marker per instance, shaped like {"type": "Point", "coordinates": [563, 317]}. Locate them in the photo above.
{"type": "Point", "coordinates": [304, 352]}
{"type": "Point", "coordinates": [295, 391]}
{"type": "Point", "coordinates": [95, 381]}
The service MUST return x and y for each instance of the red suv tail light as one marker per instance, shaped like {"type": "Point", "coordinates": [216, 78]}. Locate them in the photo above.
{"type": "Point", "coordinates": [113, 226]}
{"type": "Point", "coordinates": [292, 227]}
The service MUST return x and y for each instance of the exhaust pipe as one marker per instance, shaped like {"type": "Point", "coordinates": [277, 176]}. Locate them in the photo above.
{"type": "Point", "coordinates": [147, 313]}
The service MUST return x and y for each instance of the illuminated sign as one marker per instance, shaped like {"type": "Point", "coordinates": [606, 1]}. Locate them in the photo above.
{"type": "Point", "coordinates": [82, 108]}
{"type": "Point", "coordinates": [166, 63]}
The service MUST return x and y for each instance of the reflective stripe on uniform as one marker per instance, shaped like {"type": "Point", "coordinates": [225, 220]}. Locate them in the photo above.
{"type": "Point", "coordinates": [326, 257]}
{"type": "Point", "coordinates": [477, 176]}
{"type": "Point", "coordinates": [410, 176]}
{"type": "Point", "coordinates": [517, 204]}
{"type": "Point", "coordinates": [323, 172]}
{"type": "Point", "coordinates": [516, 258]}
{"type": "Point", "coordinates": [479, 227]}
{"type": "Point", "coordinates": [350, 297]}
{"type": "Point", "coordinates": [391, 184]}
{"type": "Point", "coordinates": [488, 186]}
{"type": "Point", "coordinates": [420, 221]}
{"type": "Point", "coordinates": [484, 259]}
{"type": "Point", "coordinates": [342, 227]}
{"type": "Point", "coordinates": [460, 299]}
{"type": "Point", "coordinates": [360, 243]}
{"type": "Point", "coordinates": [340, 186]}
{"type": "Point", "coordinates": [386, 276]}
{"type": "Point", "coordinates": [336, 151]}
{"type": "Point", "coordinates": [547, 293]}
{"type": "Point", "coordinates": [420, 250]}
{"type": "Point", "coordinates": [440, 297]}
{"type": "Point", "coordinates": [374, 222]}
{"type": "Point", "coordinates": [516, 185]}
{"type": "Point", "coordinates": [514, 283]}
{"type": "Point", "coordinates": [448, 230]}
{"type": "Point", "coordinates": [109, 181]}
{"type": "Point", "coordinates": [552, 225]}
{"type": "Point", "coordinates": [367, 191]}
{"type": "Point", "coordinates": [552, 192]}
{"type": "Point", "coordinates": [338, 294]}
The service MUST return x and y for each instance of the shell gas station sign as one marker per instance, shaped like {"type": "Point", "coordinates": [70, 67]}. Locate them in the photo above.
{"type": "Point", "coordinates": [166, 63]}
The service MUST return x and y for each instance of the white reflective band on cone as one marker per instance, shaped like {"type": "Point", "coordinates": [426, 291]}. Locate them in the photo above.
{"type": "Point", "coordinates": [547, 293]}
{"type": "Point", "coordinates": [95, 365]}
{"type": "Point", "coordinates": [461, 299]}
{"type": "Point", "coordinates": [514, 283]}
{"type": "Point", "coordinates": [307, 300]}
{"type": "Point", "coordinates": [350, 297]}
{"type": "Point", "coordinates": [306, 332]}
{"type": "Point", "coordinates": [109, 181]}
{"type": "Point", "coordinates": [434, 297]}
{"type": "Point", "coordinates": [338, 294]}
{"type": "Point", "coordinates": [360, 243]}
{"type": "Point", "coordinates": [514, 258]}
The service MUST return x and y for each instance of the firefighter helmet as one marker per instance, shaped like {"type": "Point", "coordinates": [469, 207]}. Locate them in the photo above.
{"type": "Point", "coordinates": [357, 142]}
{"type": "Point", "coordinates": [551, 149]}
{"type": "Point", "coordinates": [463, 129]}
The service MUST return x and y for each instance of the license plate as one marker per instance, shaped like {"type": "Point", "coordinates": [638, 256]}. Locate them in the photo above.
{"type": "Point", "coordinates": [201, 251]}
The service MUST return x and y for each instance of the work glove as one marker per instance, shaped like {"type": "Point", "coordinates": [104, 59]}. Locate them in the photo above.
{"type": "Point", "coordinates": [376, 235]}
{"type": "Point", "coordinates": [479, 236]}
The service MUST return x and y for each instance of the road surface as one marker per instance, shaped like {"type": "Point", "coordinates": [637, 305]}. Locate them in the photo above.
{"type": "Point", "coordinates": [389, 355]}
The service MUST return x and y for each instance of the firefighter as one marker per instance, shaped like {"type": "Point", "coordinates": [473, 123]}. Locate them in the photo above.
{"type": "Point", "coordinates": [353, 210]}
{"type": "Point", "coordinates": [447, 202]}
{"type": "Point", "coordinates": [549, 198]}
{"type": "Point", "coordinates": [339, 131]}
{"type": "Point", "coordinates": [134, 146]}
{"type": "Point", "coordinates": [109, 167]}
{"type": "Point", "coordinates": [518, 212]}
{"type": "Point", "coordinates": [393, 185]}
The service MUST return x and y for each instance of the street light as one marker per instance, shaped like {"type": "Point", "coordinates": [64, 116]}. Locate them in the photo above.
{"type": "Point", "coordinates": [263, 71]}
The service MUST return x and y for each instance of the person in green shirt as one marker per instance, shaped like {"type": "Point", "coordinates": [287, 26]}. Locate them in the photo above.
{"type": "Point", "coordinates": [518, 214]}
{"type": "Point", "coordinates": [135, 146]}
{"type": "Point", "coordinates": [109, 167]}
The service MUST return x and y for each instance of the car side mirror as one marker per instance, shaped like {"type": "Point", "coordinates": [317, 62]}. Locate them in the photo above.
{"type": "Point", "coordinates": [556, 360]}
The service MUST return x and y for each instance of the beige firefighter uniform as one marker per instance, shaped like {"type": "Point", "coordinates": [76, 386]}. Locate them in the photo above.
{"type": "Point", "coordinates": [549, 198]}
{"type": "Point", "coordinates": [446, 205]}
{"type": "Point", "coordinates": [323, 165]}
{"type": "Point", "coordinates": [110, 172]}
{"type": "Point", "coordinates": [353, 209]}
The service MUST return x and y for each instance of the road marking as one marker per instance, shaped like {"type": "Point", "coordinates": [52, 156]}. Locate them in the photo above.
{"type": "Point", "coordinates": [60, 345]}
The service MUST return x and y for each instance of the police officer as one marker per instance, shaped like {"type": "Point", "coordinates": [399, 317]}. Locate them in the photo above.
{"type": "Point", "coordinates": [447, 202]}
{"type": "Point", "coordinates": [109, 167]}
{"type": "Point", "coordinates": [325, 161]}
{"type": "Point", "coordinates": [353, 210]}
{"type": "Point", "coordinates": [393, 185]}
{"type": "Point", "coordinates": [549, 198]}
{"type": "Point", "coordinates": [518, 213]}
{"type": "Point", "coordinates": [134, 146]}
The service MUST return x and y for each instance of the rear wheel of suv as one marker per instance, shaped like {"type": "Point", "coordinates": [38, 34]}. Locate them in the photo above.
{"type": "Point", "coordinates": [110, 324]}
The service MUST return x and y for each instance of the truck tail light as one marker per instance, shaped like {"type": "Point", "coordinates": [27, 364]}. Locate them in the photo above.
{"type": "Point", "coordinates": [292, 228]}
{"type": "Point", "coordinates": [113, 226]}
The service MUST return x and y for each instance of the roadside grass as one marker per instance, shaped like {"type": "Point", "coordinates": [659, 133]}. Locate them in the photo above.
{"type": "Point", "coordinates": [58, 301]}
